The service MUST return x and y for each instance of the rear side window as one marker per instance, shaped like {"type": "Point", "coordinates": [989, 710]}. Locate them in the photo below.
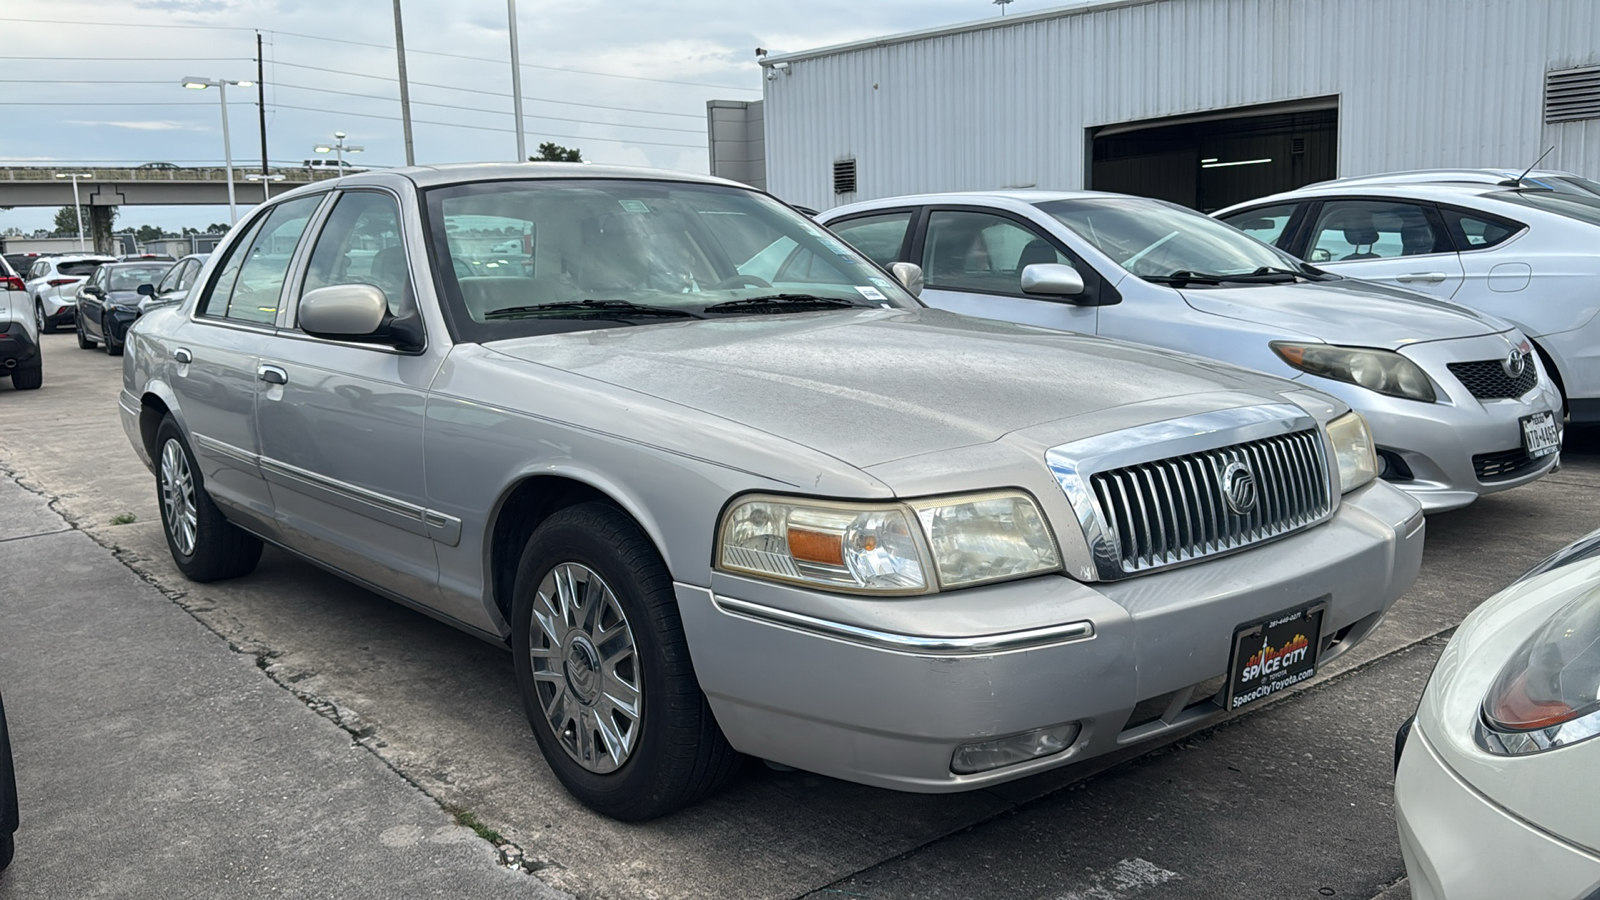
{"type": "Point", "coordinates": [252, 281]}
{"type": "Point", "coordinates": [1477, 231]}
{"type": "Point", "coordinates": [879, 238]}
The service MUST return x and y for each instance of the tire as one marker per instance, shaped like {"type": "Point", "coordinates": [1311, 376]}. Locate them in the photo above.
{"type": "Point", "coordinates": [113, 346]}
{"type": "Point", "coordinates": [39, 320]}
{"type": "Point", "coordinates": [204, 544]}
{"type": "Point", "coordinates": [84, 343]}
{"type": "Point", "coordinates": [672, 754]}
{"type": "Point", "coordinates": [28, 379]}
{"type": "Point", "coordinates": [8, 847]}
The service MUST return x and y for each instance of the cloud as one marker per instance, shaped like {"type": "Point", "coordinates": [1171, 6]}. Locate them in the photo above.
{"type": "Point", "coordinates": [145, 125]}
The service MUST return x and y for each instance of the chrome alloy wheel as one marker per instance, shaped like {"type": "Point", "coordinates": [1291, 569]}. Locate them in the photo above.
{"type": "Point", "coordinates": [586, 668]}
{"type": "Point", "coordinates": [177, 497]}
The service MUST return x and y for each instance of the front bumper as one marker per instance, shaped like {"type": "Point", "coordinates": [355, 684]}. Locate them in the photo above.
{"type": "Point", "coordinates": [1438, 442]}
{"type": "Point", "coordinates": [883, 692]}
{"type": "Point", "coordinates": [1458, 845]}
{"type": "Point", "coordinates": [117, 321]}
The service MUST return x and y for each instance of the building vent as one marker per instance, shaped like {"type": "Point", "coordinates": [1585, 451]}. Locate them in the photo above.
{"type": "Point", "coordinates": [1297, 145]}
{"type": "Point", "coordinates": [844, 176]}
{"type": "Point", "coordinates": [1571, 94]}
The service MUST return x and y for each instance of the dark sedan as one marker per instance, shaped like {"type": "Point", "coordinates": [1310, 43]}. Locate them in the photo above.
{"type": "Point", "coordinates": [109, 303]}
{"type": "Point", "coordinates": [8, 795]}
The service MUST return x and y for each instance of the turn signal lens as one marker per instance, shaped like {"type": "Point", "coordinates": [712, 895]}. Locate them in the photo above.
{"type": "Point", "coordinates": [1008, 751]}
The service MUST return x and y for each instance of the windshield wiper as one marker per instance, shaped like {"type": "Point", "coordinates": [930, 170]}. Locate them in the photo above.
{"type": "Point", "coordinates": [1263, 275]}
{"type": "Point", "coordinates": [780, 303]}
{"type": "Point", "coordinates": [586, 308]}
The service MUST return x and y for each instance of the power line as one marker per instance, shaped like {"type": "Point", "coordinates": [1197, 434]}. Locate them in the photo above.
{"type": "Point", "coordinates": [570, 137]}
{"type": "Point", "coordinates": [132, 59]}
{"type": "Point", "coordinates": [494, 112]}
{"type": "Point", "coordinates": [102, 103]}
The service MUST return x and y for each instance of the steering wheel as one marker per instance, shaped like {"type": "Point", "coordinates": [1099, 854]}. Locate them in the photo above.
{"type": "Point", "coordinates": [741, 281]}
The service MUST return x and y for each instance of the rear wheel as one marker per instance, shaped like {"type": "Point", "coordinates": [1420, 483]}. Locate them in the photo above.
{"type": "Point", "coordinates": [38, 318]}
{"type": "Point", "coordinates": [30, 378]}
{"type": "Point", "coordinates": [204, 544]}
{"type": "Point", "coordinates": [604, 669]}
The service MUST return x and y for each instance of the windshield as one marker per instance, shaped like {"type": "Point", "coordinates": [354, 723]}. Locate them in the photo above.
{"type": "Point", "coordinates": [128, 278]}
{"type": "Point", "coordinates": [1157, 240]}
{"type": "Point", "coordinates": [535, 257]}
{"type": "Point", "coordinates": [1573, 206]}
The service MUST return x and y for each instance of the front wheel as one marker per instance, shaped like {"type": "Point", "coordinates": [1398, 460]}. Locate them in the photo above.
{"type": "Point", "coordinates": [84, 341]}
{"type": "Point", "coordinates": [204, 544]}
{"type": "Point", "coordinates": [604, 669]}
{"type": "Point", "coordinates": [113, 346]}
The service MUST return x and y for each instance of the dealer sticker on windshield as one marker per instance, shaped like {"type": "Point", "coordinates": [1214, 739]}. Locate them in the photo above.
{"type": "Point", "coordinates": [1273, 655]}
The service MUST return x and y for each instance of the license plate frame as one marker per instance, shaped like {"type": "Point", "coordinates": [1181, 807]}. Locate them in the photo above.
{"type": "Point", "coordinates": [1540, 438]}
{"type": "Point", "coordinates": [1294, 633]}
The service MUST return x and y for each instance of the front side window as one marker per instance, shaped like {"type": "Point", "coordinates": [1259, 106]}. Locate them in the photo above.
{"type": "Point", "coordinates": [880, 237]}
{"type": "Point", "coordinates": [169, 281]}
{"type": "Point", "coordinates": [1160, 241]}
{"type": "Point", "coordinates": [1264, 223]}
{"type": "Point", "coordinates": [251, 282]}
{"type": "Point", "coordinates": [191, 273]}
{"type": "Point", "coordinates": [977, 251]}
{"type": "Point", "coordinates": [1374, 229]}
{"type": "Point", "coordinates": [360, 244]}
{"type": "Point", "coordinates": [545, 256]}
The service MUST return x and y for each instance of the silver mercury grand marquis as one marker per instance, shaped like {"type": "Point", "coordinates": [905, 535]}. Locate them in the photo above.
{"type": "Point", "coordinates": [811, 520]}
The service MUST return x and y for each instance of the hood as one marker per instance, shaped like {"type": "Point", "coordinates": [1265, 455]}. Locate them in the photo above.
{"type": "Point", "coordinates": [1346, 311]}
{"type": "Point", "coordinates": [873, 385]}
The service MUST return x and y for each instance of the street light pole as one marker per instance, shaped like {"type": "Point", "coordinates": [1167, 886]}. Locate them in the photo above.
{"type": "Point", "coordinates": [265, 196]}
{"type": "Point", "coordinates": [338, 147]}
{"type": "Point", "coordinates": [516, 80]}
{"type": "Point", "coordinates": [77, 207]}
{"type": "Point", "coordinates": [405, 92]}
{"type": "Point", "coordinates": [221, 84]}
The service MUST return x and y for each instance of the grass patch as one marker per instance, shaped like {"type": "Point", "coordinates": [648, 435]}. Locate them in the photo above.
{"type": "Point", "coordinates": [124, 519]}
{"type": "Point", "coordinates": [465, 817]}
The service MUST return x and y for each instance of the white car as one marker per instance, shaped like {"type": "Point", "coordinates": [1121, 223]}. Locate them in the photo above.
{"type": "Point", "coordinates": [1495, 775]}
{"type": "Point", "coordinates": [1523, 251]}
{"type": "Point", "coordinates": [53, 284]}
{"type": "Point", "coordinates": [19, 333]}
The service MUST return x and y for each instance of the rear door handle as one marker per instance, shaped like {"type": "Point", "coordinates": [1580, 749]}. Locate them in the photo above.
{"type": "Point", "coordinates": [1421, 278]}
{"type": "Point", "coordinates": [183, 356]}
{"type": "Point", "coordinates": [272, 375]}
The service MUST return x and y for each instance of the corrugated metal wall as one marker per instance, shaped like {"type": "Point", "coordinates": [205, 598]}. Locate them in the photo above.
{"type": "Point", "coordinates": [1421, 83]}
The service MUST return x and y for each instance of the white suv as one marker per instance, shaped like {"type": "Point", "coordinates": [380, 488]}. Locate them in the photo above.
{"type": "Point", "coordinates": [19, 333]}
{"type": "Point", "coordinates": [53, 284]}
{"type": "Point", "coordinates": [1523, 251]}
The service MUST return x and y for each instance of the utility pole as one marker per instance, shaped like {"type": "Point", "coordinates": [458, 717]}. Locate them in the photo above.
{"type": "Point", "coordinates": [516, 81]}
{"type": "Point", "coordinates": [261, 110]}
{"type": "Point", "coordinates": [405, 93]}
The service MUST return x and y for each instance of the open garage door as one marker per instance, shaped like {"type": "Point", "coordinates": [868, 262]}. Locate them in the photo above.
{"type": "Point", "coordinates": [1220, 158]}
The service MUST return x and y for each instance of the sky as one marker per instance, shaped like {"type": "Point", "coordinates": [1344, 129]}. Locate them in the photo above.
{"type": "Point", "coordinates": [97, 81]}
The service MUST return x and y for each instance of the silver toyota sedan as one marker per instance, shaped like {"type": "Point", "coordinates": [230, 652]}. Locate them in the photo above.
{"type": "Point", "coordinates": [1458, 400]}
{"type": "Point", "coordinates": [803, 518]}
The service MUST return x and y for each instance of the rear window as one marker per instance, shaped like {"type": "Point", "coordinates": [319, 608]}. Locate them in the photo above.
{"type": "Point", "coordinates": [1573, 206]}
{"type": "Point", "coordinates": [77, 268]}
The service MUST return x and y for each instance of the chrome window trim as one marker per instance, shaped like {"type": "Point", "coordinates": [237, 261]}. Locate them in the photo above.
{"type": "Point", "coordinates": [1073, 464]}
{"type": "Point", "coordinates": [916, 645]}
{"type": "Point", "coordinates": [242, 229]}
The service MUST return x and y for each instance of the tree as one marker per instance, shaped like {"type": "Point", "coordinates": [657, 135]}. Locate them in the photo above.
{"type": "Point", "coordinates": [188, 231]}
{"type": "Point", "coordinates": [217, 228]}
{"type": "Point", "coordinates": [13, 231]}
{"type": "Point", "coordinates": [550, 151]}
{"type": "Point", "coordinates": [144, 234]}
{"type": "Point", "coordinates": [68, 217]}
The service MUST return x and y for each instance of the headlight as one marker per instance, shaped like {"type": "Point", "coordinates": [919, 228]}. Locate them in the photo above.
{"type": "Point", "coordinates": [1548, 695]}
{"type": "Point", "coordinates": [1383, 371]}
{"type": "Point", "coordinates": [887, 548]}
{"type": "Point", "coordinates": [1352, 448]}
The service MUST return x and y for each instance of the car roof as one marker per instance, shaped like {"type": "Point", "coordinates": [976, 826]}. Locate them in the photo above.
{"type": "Point", "coordinates": [1447, 176]}
{"type": "Point", "coordinates": [1027, 196]}
{"type": "Point", "coordinates": [1407, 190]}
{"type": "Point", "coordinates": [459, 173]}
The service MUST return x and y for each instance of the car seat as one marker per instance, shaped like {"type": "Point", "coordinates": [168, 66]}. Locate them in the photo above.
{"type": "Point", "coordinates": [1038, 252]}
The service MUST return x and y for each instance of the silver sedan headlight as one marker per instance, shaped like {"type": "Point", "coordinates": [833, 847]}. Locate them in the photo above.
{"type": "Point", "coordinates": [1383, 371]}
{"type": "Point", "coordinates": [1353, 450]}
{"type": "Point", "coordinates": [915, 547]}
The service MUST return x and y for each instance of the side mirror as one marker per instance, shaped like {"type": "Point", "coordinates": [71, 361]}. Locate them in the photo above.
{"type": "Point", "coordinates": [1053, 279]}
{"type": "Point", "coordinates": [1321, 255]}
{"type": "Point", "coordinates": [148, 290]}
{"type": "Point", "coordinates": [1253, 224]}
{"type": "Point", "coordinates": [909, 275]}
{"type": "Point", "coordinates": [357, 312]}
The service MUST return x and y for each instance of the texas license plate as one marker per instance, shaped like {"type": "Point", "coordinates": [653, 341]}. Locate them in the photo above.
{"type": "Point", "coordinates": [1539, 435]}
{"type": "Point", "coordinates": [1273, 655]}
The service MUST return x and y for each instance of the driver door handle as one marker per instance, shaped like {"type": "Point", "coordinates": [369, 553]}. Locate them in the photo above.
{"type": "Point", "coordinates": [272, 375]}
{"type": "Point", "coordinates": [183, 356]}
{"type": "Point", "coordinates": [1421, 278]}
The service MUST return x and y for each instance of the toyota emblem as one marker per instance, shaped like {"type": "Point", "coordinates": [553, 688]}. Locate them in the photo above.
{"type": "Point", "coordinates": [1239, 488]}
{"type": "Point", "coordinates": [1515, 364]}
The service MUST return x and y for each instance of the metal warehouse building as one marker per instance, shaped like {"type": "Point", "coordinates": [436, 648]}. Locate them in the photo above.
{"type": "Point", "coordinates": [1204, 102]}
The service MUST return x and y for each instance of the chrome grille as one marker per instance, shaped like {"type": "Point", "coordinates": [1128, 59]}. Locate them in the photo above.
{"type": "Point", "coordinates": [1174, 510]}
{"type": "Point", "coordinates": [1487, 379]}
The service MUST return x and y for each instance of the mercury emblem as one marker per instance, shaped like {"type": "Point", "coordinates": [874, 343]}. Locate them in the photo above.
{"type": "Point", "coordinates": [1239, 488]}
